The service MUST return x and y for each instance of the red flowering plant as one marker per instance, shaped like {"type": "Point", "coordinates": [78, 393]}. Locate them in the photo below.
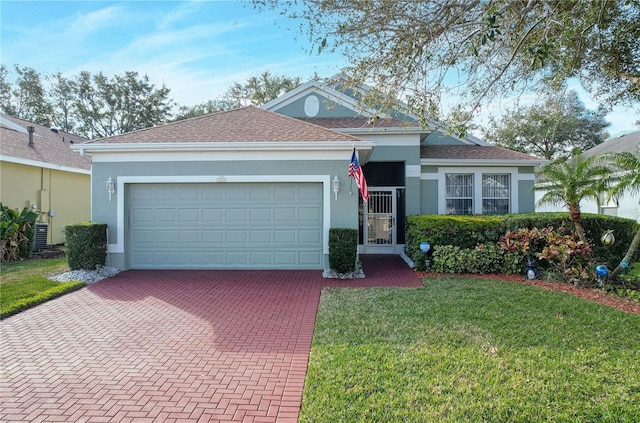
{"type": "Point", "coordinates": [562, 252]}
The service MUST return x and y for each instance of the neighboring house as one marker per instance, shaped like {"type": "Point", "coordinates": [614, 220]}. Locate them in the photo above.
{"type": "Point", "coordinates": [628, 205]}
{"type": "Point", "coordinates": [38, 170]}
{"type": "Point", "coordinates": [260, 188]}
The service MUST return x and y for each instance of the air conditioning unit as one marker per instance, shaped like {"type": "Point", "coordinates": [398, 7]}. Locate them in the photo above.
{"type": "Point", "coordinates": [40, 236]}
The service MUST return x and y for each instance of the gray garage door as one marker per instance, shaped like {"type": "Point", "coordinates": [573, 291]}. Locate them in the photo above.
{"type": "Point", "coordinates": [234, 226]}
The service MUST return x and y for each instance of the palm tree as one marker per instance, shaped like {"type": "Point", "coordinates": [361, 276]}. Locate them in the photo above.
{"type": "Point", "coordinates": [569, 181]}
{"type": "Point", "coordinates": [627, 181]}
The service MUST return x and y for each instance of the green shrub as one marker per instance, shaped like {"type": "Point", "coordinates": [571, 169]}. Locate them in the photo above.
{"type": "Point", "coordinates": [343, 249]}
{"type": "Point", "coordinates": [440, 230]}
{"type": "Point", "coordinates": [469, 231]}
{"type": "Point", "coordinates": [86, 244]}
{"type": "Point", "coordinates": [483, 259]}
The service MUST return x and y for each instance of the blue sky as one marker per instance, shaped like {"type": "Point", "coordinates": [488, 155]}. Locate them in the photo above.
{"type": "Point", "coordinates": [198, 49]}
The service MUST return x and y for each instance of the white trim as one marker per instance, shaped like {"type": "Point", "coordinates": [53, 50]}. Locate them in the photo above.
{"type": "Point", "coordinates": [481, 162]}
{"type": "Point", "coordinates": [433, 176]}
{"type": "Point", "coordinates": [477, 186]}
{"type": "Point", "coordinates": [223, 156]}
{"type": "Point", "coordinates": [121, 181]}
{"type": "Point", "coordinates": [201, 147]}
{"type": "Point", "coordinates": [45, 165]}
{"type": "Point", "coordinates": [412, 171]}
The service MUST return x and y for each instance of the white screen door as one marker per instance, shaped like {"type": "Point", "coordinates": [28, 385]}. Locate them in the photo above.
{"type": "Point", "coordinates": [380, 228]}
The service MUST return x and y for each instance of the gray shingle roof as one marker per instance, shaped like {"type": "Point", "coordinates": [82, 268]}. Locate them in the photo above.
{"type": "Point", "coordinates": [472, 152]}
{"type": "Point", "coordinates": [629, 142]}
{"type": "Point", "coordinates": [248, 124]}
{"type": "Point", "coordinates": [48, 146]}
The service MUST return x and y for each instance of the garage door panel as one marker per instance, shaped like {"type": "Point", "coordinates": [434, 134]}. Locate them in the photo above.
{"type": "Point", "coordinates": [163, 215]}
{"type": "Point", "coordinates": [236, 215]}
{"type": "Point", "coordinates": [236, 192]}
{"type": "Point", "coordinates": [189, 237]}
{"type": "Point", "coordinates": [142, 236]}
{"type": "Point", "coordinates": [237, 236]}
{"type": "Point", "coordinates": [285, 214]}
{"type": "Point", "coordinates": [310, 258]}
{"type": "Point", "coordinates": [262, 215]}
{"type": "Point", "coordinates": [285, 258]}
{"type": "Point", "coordinates": [310, 236]}
{"type": "Point", "coordinates": [189, 215]}
{"type": "Point", "coordinates": [260, 225]}
{"type": "Point", "coordinates": [212, 215]}
{"type": "Point", "coordinates": [164, 193]}
{"type": "Point", "coordinates": [309, 214]}
{"type": "Point", "coordinates": [165, 237]}
{"type": "Point", "coordinates": [285, 236]}
{"type": "Point", "coordinates": [261, 236]}
{"type": "Point", "coordinates": [213, 236]}
{"type": "Point", "coordinates": [212, 192]}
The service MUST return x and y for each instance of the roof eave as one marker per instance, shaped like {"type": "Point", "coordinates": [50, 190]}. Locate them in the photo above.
{"type": "Point", "coordinates": [391, 130]}
{"type": "Point", "coordinates": [223, 146]}
{"type": "Point", "coordinates": [482, 162]}
{"type": "Point", "coordinates": [44, 165]}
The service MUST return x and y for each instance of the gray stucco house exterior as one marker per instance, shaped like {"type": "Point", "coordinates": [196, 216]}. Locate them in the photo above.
{"type": "Point", "coordinates": [260, 187]}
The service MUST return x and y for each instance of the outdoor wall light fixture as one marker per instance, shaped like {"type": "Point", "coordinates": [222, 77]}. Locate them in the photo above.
{"type": "Point", "coordinates": [336, 186]}
{"type": "Point", "coordinates": [111, 187]}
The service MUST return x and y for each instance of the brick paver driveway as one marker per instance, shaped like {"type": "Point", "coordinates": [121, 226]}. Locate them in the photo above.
{"type": "Point", "coordinates": [181, 346]}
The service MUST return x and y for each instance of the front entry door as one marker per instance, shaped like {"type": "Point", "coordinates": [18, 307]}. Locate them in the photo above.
{"type": "Point", "coordinates": [380, 222]}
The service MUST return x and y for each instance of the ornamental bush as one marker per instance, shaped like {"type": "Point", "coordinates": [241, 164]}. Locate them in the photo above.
{"type": "Point", "coordinates": [86, 244]}
{"type": "Point", "coordinates": [343, 249]}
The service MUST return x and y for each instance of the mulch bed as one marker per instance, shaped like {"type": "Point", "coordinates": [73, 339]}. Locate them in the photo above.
{"type": "Point", "coordinates": [588, 294]}
{"type": "Point", "coordinates": [52, 251]}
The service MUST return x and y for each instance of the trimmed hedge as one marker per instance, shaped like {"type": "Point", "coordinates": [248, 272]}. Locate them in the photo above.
{"type": "Point", "coordinates": [86, 244]}
{"type": "Point", "coordinates": [468, 231]}
{"type": "Point", "coordinates": [343, 249]}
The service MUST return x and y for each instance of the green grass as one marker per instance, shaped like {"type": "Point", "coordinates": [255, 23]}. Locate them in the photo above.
{"type": "Point", "coordinates": [24, 284]}
{"type": "Point", "coordinates": [465, 349]}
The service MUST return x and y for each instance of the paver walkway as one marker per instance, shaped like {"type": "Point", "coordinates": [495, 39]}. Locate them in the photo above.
{"type": "Point", "coordinates": [173, 346]}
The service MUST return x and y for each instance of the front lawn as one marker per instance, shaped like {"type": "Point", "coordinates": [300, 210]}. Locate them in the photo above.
{"type": "Point", "coordinates": [23, 284]}
{"type": "Point", "coordinates": [470, 349]}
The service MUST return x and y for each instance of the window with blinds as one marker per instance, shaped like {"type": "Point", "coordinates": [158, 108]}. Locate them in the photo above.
{"type": "Point", "coordinates": [459, 193]}
{"type": "Point", "coordinates": [496, 194]}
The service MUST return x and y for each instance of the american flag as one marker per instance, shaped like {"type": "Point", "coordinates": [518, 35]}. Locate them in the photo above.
{"type": "Point", "coordinates": [355, 171]}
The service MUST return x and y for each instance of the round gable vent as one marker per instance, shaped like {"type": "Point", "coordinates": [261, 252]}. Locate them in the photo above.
{"type": "Point", "coordinates": [311, 106]}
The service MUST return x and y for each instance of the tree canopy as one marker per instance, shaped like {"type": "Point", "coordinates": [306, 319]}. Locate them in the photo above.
{"type": "Point", "coordinates": [550, 129]}
{"type": "Point", "coordinates": [256, 91]}
{"type": "Point", "coordinates": [430, 50]}
{"type": "Point", "coordinates": [97, 105]}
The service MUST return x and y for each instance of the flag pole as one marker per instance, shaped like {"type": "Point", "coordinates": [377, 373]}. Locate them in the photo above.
{"type": "Point", "coordinates": [351, 178]}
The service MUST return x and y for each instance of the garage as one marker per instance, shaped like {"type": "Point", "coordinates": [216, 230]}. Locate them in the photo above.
{"type": "Point", "coordinates": [225, 225]}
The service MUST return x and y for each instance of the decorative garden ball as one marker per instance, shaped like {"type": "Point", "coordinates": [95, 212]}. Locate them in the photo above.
{"type": "Point", "coordinates": [608, 238]}
{"type": "Point", "coordinates": [602, 271]}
